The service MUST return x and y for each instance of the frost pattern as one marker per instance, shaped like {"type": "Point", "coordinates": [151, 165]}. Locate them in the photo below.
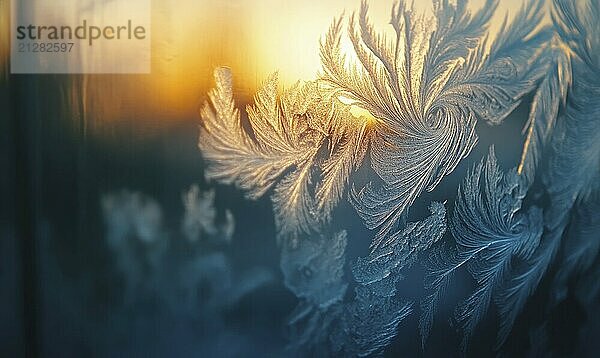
{"type": "Point", "coordinates": [425, 90]}
{"type": "Point", "coordinates": [313, 269]}
{"type": "Point", "coordinates": [550, 94]}
{"type": "Point", "coordinates": [371, 322]}
{"type": "Point", "coordinates": [569, 137]}
{"type": "Point", "coordinates": [372, 319]}
{"type": "Point", "coordinates": [281, 151]}
{"type": "Point", "coordinates": [490, 230]}
{"type": "Point", "coordinates": [572, 166]}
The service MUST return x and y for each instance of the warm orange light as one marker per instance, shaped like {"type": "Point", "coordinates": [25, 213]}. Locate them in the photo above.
{"type": "Point", "coordinates": [190, 38]}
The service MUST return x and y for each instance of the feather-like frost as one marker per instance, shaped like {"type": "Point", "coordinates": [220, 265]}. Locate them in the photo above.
{"type": "Point", "coordinates": [492, 82]}
{"type": "Point", "coordinates": [281, 149]}
{"type": "Point", "coordinates": [427, 88]}
{"type": "Point", "coordinates": [490, 230]}
{"type": "Point", "coordinates": [441, 267]}
{"type": "Point", "coordinates": [551, 93]}
{"type": "Point", "coordinates": [572, 170]}
{"type": "Point", "coordinates": [488, 221]}
{"type": "Point", "coordinates": [281, 145]}
{"type": "Point", "coordinates": [348, 144]}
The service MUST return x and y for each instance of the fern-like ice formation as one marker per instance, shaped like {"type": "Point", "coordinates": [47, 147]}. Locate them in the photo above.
{"type": "Point", "coordinates": [282, 149]}
{"type": "Point", "coordinates": [371, 322]}
{"type": "Point", "coordinates": [382, 266]}
{"type": "Point", "coordinates": [493, 228]}
{"type": "Point", "coordinates": [490, 230]}
{"type": "Point", "coordinates": [427, 88]}
{"type": "Point", "coordinates": [569, 139]}
{"type": "Point", "coordinates": [324, 321]}
{"type": "Point", "coordinates": [572, 171]}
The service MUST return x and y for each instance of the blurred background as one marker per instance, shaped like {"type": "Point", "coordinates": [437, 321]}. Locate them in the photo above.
{"type": "Point", "coordinates": [113, 244]}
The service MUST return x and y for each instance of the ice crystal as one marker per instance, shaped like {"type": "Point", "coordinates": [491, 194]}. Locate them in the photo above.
{"type": "Point", "coordinates": [326, 322]}
{"type": "Point", "coordinates": [287, 135]}
{"type": "Point", "coordinates": [427, 88]}
{"type": "Point", "coordinates": [490, 230]}
{"type": "Point", "coordinates": [572, 167]}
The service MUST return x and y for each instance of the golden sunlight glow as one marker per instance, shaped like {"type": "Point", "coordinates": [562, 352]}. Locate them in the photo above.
{"type": "Point", "coordinates": [190, 38]}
